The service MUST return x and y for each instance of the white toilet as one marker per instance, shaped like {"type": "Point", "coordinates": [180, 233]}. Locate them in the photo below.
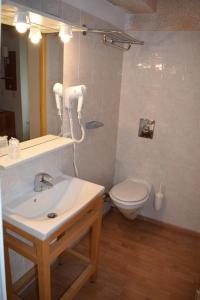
{"type": "Point", "coordinates": [130, 195]}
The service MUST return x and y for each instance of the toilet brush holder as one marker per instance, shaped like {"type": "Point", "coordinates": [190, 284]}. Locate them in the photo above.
{"type": "Point", "coordinates": [159, 197]}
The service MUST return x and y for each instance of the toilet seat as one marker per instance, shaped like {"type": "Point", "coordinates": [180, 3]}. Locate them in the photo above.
{"type": "Point", "coordinates": [130, 191]}
{"type": "Point", "coordinates": [130, 195]}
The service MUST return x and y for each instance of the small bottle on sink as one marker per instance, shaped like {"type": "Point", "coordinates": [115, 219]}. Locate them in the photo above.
{"type": "Point", "coordinates": [14, 148]}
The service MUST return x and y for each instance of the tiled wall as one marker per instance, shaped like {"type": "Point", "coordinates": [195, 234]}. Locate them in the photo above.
{"type": "Point", "coordinates": [86, 61]}
{"type": "Point", "coordinates": [161, 81]}
{"type": "Point", "coordinates": [20, 179]}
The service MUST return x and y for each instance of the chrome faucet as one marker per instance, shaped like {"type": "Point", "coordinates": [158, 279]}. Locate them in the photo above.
{"type": "Point", "coordinates": [42, 182]}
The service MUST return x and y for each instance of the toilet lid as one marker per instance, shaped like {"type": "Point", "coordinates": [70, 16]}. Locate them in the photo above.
{"type": "Point", "coordinates": [130, 191]}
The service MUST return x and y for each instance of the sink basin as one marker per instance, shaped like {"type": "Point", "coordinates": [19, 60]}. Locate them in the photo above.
{"type": "Point", "coordinates": [41, 213]}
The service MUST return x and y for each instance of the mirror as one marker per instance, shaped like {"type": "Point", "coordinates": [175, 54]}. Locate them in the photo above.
{"type": "Point", "coordinates": [28, 72]}
{"type": "Point", "coordinates": [24, 113]}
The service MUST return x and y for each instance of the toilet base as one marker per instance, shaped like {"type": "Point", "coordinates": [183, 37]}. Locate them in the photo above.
{"type": "Point", "coordinates": [130, 214]}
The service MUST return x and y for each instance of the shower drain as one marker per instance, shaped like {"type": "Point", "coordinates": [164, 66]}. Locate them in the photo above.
{"type": "Point", "coordinates": [52, 215]}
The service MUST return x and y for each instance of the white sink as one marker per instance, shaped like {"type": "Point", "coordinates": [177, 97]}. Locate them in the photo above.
{"type": "Point", "coordinates": [65, 199]}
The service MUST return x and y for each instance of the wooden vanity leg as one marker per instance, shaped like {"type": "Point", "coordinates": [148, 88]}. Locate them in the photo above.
{"type": "Point", "coordinates": [8, 273]}
{"type": "Point", "coordinates": [44, 275]}
{"type": "Point", "coordinates": [95, 241]}
{"type": "Point", "coordinates": [60, 257]}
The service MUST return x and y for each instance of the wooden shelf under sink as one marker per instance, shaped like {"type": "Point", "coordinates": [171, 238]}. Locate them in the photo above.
{"type": "Point", "coordinates": [44, 252]}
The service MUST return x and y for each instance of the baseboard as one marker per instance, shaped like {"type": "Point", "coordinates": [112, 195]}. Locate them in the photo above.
{"type": "Point", "coordinates": [170, 226]}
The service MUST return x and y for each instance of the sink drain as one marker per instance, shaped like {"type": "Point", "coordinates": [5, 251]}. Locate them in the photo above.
{"type": "Point", "coordinates": [52, 215]}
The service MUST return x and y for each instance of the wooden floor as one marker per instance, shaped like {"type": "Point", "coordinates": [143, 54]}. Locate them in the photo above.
{"type": "Point", "coordinates": [139, 261]}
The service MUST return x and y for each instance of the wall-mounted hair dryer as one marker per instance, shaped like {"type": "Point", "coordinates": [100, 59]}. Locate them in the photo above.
{"type": "Point", "coordinates": [58, 90]}
{"type": "Point", "coordinates": [75, 93]}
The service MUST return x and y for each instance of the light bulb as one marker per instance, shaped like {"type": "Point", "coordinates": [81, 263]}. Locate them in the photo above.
{"type": "Point", "coordinates": [35, 35]}
{"type": "Point", "coordinates": [65, 33]}
{"type": "Point", "coordinates": [21, 21]}
{"type": "Point", "coordinates": [21, 27]}
{"type": "Point", "coordinates": [65, 38]}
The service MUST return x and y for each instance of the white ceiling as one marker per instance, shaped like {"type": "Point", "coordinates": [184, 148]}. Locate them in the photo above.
{"type": "Point", "coordinates": [136, 6]}
{"type": "Point", "coordinates": [116, 12]}
{"type": "Point", "coordinates": [102, 9]}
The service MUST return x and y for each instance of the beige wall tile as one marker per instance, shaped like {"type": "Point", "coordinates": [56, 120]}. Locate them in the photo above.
{"type": "Point", "coordinates": [88, 61]}
{"type": "Point", "coordinates": [160, 81]}
{"type": "Point", "coordinates": [70, 13]}
{"type": "Point", "coordinates": [52, 7]}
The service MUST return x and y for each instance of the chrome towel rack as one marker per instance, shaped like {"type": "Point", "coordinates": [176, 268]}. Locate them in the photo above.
{"type": "Point", "coordinates": [115, 38]}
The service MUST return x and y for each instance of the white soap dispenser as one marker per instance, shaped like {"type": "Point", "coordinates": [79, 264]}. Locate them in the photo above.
{"type": "Point", "coordinates": [159, 197]}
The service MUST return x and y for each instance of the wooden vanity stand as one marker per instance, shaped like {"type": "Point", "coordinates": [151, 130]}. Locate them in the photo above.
{"type": "Point", "coordinates": [44, 252]}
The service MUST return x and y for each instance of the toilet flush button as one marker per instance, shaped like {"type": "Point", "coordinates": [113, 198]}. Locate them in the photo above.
{"type": "Point", "coordinates": [146, 128]}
